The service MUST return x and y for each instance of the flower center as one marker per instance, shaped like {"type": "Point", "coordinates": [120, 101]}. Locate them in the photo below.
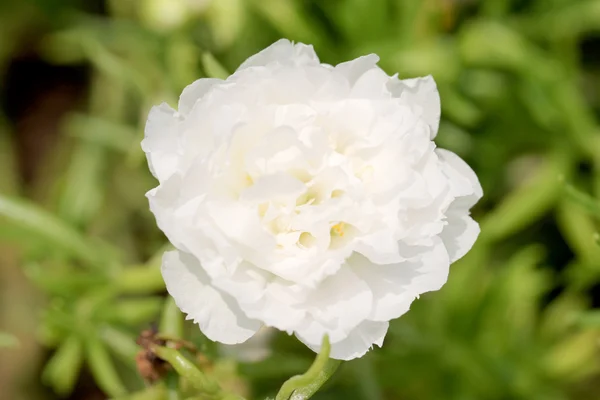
{"type": "Point", "coordinates": [338, 229]}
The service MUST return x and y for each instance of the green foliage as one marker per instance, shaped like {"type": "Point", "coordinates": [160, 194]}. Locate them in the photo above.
{"type": "Point", "coordinates": [519, 103]}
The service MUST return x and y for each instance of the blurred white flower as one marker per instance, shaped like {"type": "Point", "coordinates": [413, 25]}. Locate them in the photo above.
{"type": "Point", "coordinates": [227, 19]}
{"type": "Point", "coordinates": [306, 197]}
{"type": "Point", "coordinates": [170, 14]}
{"type": "Point", "coordinates": [255, 349]}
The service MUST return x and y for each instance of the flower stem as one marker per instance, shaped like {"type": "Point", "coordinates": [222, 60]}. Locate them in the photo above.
{"type": "Point", "coordinates": [172, 383]}
{"type": "Point", "coordinates": [188, 370]}
{"type": "Point", "coordinates": [302, 387]}
{"type": "Point", "coordinates": [155, 392]}
{"type": "Point", "coordinates": [171, 321]}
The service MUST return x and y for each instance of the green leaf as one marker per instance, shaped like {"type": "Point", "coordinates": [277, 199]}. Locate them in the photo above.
{"type": "Point", "coordinates": [571, 359]}
{"type": "Point", "coordinates": [578, 229]}
{"type": "Point", "coordinates": [61, 279]}
{"type": "Point", "coordinates": [140, 280]}
{"type": "Point", "coordinates": [213, 68]}
{"type": "Point", "coordinates": [103, 132]}
{"type": "Point", "coordinates": [62, 370]}
{"type": "Point", "coordinates": [134, 311]}
{"type": "Point", "coordinates": [121, 343]}
{"type": "Point", "coordinates": [527, 203]}
{"type": "Point", "coordinates": [51, 229]}
{"type": "Point", "coordinates": [289, 18]}
{"type": "Point", "coordinates": [512, 50]}
{"type": "Point", "coordinates": [83, 187]}
{"type": "Point", "coordinates": [182, 60]}
{"type": "Point", "coordinates": [103, 369]}
{"type": "Point", "coordinates": [568, 21]}
{"type": "Point", "coordinates": [584, 200]}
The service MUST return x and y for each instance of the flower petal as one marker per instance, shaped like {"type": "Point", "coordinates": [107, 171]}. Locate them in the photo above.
{"type": "Point", "coordinates": [194, 92]}
{"type": "Point", "coordinates": [283, 51]}
{"type": "Point", "coordinates": [278, 305]}
{"type": "Point", "coordinates": [161, 141]}
{"type": "Point", "coordinates": [460, 231]}
{"type": "Point", "coordinates": [278, 187]}
{"type": "Point", "coordinates": [395, 286]}
{"type": "Point", "coordinates": [341, 303]}
{"type": "Point", "coordinates": [217, 314]}
{"type": "Point", "coordinates": [459, 235]}
{"type": "Point", "coordinates": [379, 247]}
{"type": "Point", "coordinates": [358, 342]}
{"type": "Point", "coordinates": [354, 69]}
{"type": "Point", "coordinates": [466, 186]}
{"type": "Point", "coordinates": [372, 85]}
{"type": "Point", "coordinates": [422, 96]}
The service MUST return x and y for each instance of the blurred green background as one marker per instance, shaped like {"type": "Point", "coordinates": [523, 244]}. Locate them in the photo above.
{"type": "Point", "coordinates": [80, 251]}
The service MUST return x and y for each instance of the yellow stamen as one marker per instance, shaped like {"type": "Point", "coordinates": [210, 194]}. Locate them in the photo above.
{"type": "Point", "coordinates": [338, 229]}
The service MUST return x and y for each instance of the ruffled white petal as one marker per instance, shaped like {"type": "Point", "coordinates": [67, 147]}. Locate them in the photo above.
{"type": "Point", "coordinates": [358, 342]}
{"type": "Point", "coordinates": [194, 92]}
{"type": "Point", "coordinates": [163, 200]}
{"type": "Point", "coordinates": [459, 235]}
{"type": "Point", "coordinates": [161, 141]}
{"type": "Point", "coordinates": [422, 95]}
{"type": "Point", "coordinates": [461, 230]}
{"type": "Point", "coordinates": [352, 70]}
{"type": "Point", "coordinates": [371, 85]}
{"type": "Point", "coordinates": [283, 51]}
{"type": "Point", "coordinates": [278, 187]}
{"type": "Point", "coordinates": [277, 307]}
{"type": "Point", "coordinates": [339, 305]}
{"type": "Point", "coordinates": [462, 178]}
{"type": "Point", "coordinates": [379, 247]}
{"type": "Point", "coordinates": [217, 314]}
{"type": "Point", "coordinates": [395, 286]}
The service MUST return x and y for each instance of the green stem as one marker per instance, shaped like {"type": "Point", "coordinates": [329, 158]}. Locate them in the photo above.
{"type": "Point", "coordinates": [188, 370]}
{"type": "Point", "coordinates": [302, 387]}
{"type": "Point", "coordinates": [172, 383]}
{"type": "Point", "coordinates": [155, 392]}
{"type": "Point", "coordinates": [171, 321]}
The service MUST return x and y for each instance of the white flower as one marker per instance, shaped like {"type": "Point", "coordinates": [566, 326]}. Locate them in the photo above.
{"type": "Point", "coordinates": [253, 350]}
{"type": "Point", "coordinates": [306, 197]}
{"type": "Point", "coordinates": [165, 15]}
